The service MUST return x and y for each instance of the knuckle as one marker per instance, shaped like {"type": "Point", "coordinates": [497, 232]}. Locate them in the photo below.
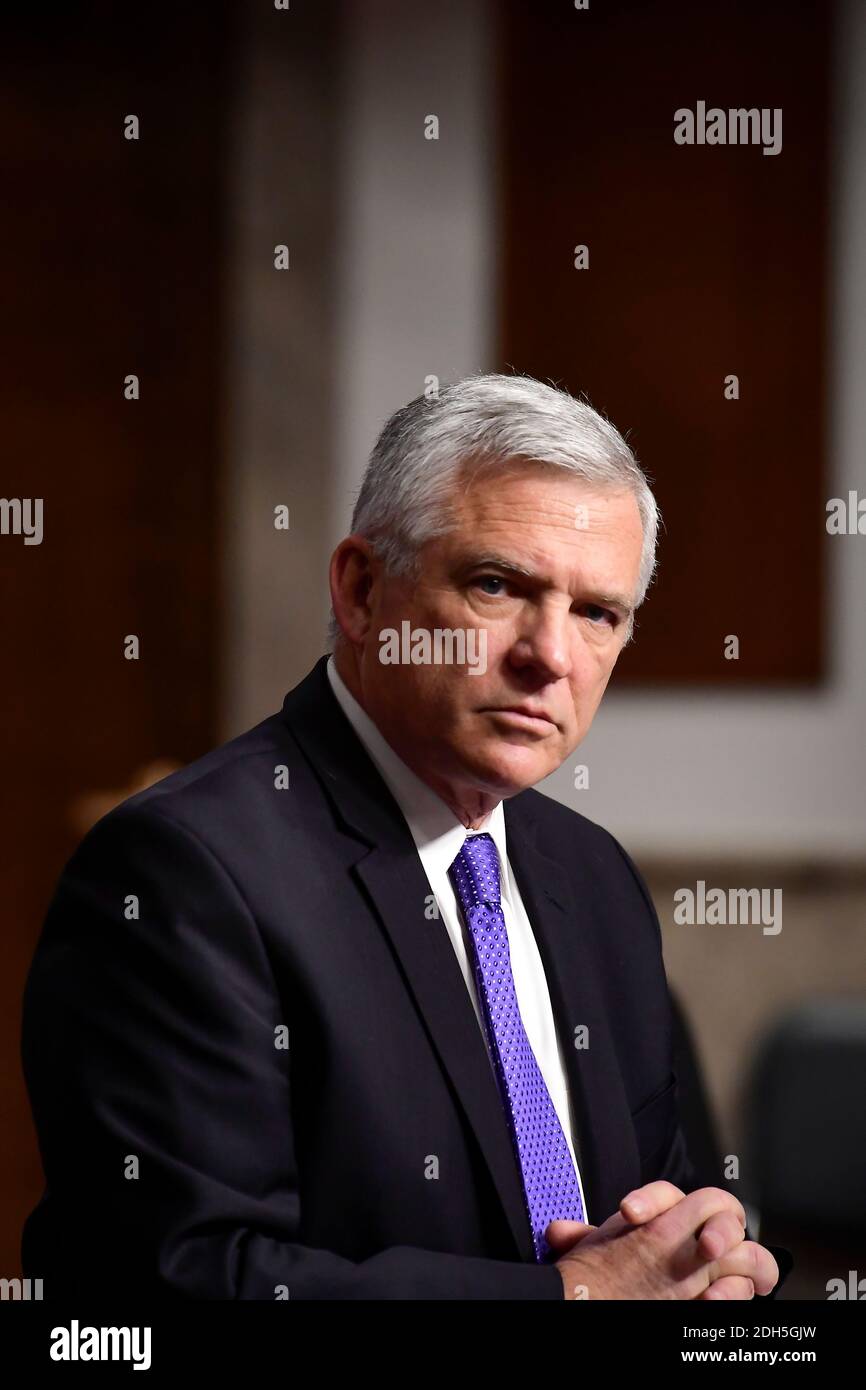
{"type": "Point", "coordinates": [667, 1187]}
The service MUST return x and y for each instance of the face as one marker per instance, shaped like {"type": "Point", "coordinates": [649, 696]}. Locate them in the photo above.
{"type": "Point", "coordinates": [548, 568]}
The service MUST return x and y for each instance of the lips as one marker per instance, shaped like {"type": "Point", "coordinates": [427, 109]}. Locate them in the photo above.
{"type": "Point", "coordinates": [528, 712]}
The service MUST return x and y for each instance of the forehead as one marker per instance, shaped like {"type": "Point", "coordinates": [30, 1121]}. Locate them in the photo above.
{"type": "Point", "coordinates": [533, 506]}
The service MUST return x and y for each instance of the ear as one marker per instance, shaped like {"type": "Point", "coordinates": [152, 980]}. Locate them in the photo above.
{"type": "Point", "coordinates": [352, 575]}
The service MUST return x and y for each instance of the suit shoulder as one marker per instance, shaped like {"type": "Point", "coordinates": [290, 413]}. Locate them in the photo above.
{"type": "Point", "coordinates": [559, 819]}
{"type": "Point", "coordinates": [563, 829]}
{"type": "Point", "coordinates": [211, 795]}
{"type": "Point", "coordinates": [228, 764]}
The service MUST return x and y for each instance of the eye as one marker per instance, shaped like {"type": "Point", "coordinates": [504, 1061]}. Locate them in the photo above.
{"type": "Point", "coordinates": [597, 615]}
{"type": "Point", "coordinates": [491, 579]}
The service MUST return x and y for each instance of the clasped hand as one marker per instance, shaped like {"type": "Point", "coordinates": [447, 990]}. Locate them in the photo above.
{"type": "Point", "coordinates": [665, 1244]}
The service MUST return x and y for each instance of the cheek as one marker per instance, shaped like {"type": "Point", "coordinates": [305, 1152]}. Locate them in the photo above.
{"type": "Point", "coordinates": [432, 696]}
{"type": "Point", "coordinates": [588, 691]}
{"type": "Point", "coordinates": [596, 691]}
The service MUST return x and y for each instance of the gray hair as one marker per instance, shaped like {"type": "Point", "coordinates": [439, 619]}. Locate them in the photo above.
{"type": "Point", "coordinates": [430, 445]}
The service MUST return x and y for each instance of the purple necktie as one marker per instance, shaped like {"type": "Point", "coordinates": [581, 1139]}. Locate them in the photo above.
{"type": "Point", "coordinates": [550, 1183]}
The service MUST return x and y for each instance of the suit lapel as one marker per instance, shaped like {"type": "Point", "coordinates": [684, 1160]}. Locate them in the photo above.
{"type": "Point", "coordinates": [604, 1143]}
{"type": "Point", "coordinates": [395, 882]}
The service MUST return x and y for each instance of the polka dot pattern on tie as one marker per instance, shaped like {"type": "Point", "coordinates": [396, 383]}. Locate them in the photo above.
{"type": "Point", "coordinates": [550, 1184]}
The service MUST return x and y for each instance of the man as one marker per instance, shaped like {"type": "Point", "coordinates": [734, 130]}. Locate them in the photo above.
{"type": "Point", "coordinates": [344, 1009]}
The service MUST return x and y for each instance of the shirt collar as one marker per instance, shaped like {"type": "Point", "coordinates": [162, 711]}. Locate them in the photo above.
{"type": "Point", "coordinates": [437, 832]}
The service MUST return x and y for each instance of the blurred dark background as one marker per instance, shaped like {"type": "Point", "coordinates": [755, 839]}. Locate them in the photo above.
{"type": "Point", "coordinates": [412, 260]}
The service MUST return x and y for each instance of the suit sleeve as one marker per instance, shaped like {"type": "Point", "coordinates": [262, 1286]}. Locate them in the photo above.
{"type": "Point", "coordinates": [163, 1106]}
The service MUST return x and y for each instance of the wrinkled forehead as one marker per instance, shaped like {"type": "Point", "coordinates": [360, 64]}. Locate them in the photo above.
{"type": "Point", "coordinates": [543, 522]}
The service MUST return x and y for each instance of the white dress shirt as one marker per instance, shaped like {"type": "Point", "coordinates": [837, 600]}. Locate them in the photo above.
{"type": "Point", "coordinates": [439, 837]}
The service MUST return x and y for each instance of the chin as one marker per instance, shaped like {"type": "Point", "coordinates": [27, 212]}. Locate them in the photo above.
{"type": "Point", "coordinates": [509, 768]}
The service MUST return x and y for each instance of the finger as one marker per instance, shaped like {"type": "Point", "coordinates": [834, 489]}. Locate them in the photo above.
{"type": "Point", "coordinates": [687, 1216]}
{"type": "Point", "coordinates": [718, 1235]}
{"type": "Point", "coordinates": [731, 1287]}
{"type": "Point", "coordinates": [702, 1251]}
{"type": "Point", "coordinates": [643, 1203]}
{"type": "Point", "coordinates": [561, 1235]}
{"type": "Point", "coordinates": [752, 1260]}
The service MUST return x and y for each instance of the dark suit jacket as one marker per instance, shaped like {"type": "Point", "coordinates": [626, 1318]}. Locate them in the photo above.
{"type": "Point", "coordinates": [186, 1154]}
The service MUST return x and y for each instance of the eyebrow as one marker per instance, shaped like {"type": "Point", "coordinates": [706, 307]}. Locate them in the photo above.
{"type": "Point", "coordinates": [491, 560]}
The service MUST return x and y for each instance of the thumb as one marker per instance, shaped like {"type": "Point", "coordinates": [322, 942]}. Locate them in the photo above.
{"type": "Point", "coordinates": [561, 1235]}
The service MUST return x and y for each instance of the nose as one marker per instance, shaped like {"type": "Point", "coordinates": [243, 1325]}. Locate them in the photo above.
{"type": "Point", "coordinates": [545, 642]}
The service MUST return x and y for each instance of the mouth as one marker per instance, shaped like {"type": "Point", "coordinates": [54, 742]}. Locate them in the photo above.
{"type": "Point", "coordinates": [524, 717]}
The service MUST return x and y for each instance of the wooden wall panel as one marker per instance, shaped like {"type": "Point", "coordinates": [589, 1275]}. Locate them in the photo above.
{"type": "Point", "coordinates": [111, 264]}
{"type": "Point", "coordinates": [704, 261]}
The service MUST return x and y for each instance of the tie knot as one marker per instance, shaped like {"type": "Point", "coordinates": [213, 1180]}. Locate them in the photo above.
{"type": "Point", "coordinates": [475, 871]}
